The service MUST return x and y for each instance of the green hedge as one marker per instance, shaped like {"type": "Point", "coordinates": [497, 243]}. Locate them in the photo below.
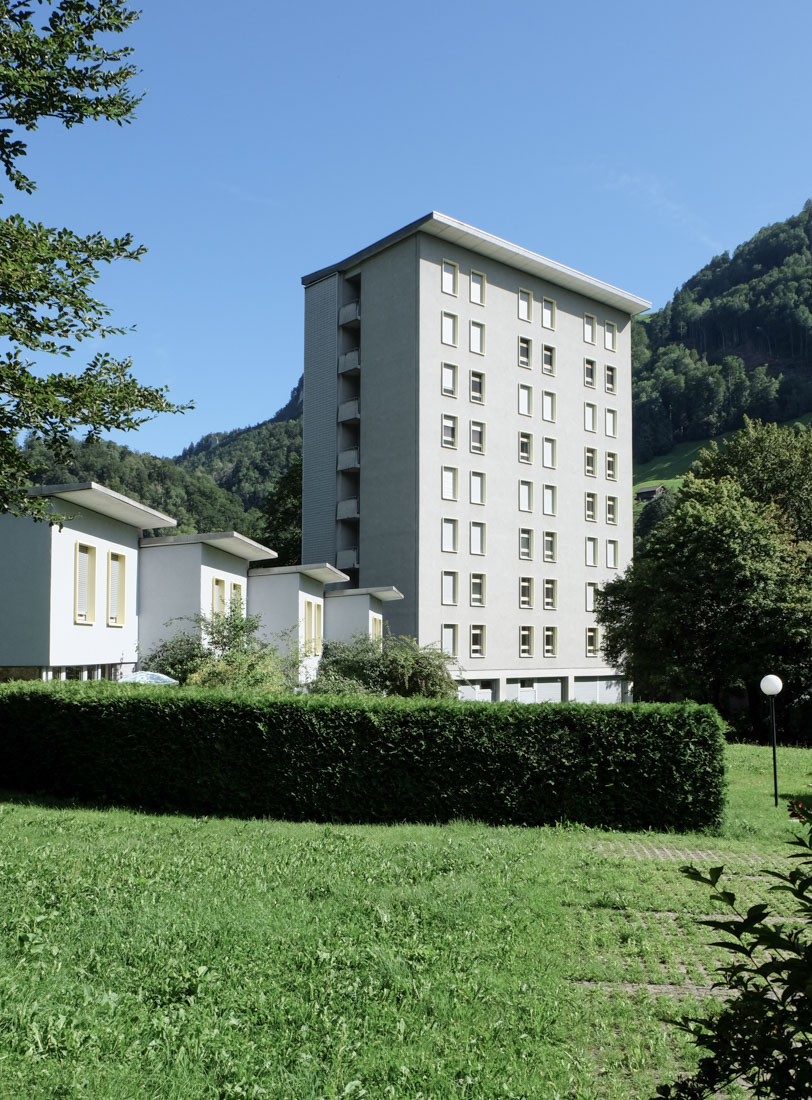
{"type": "Point", "coordinates": [365, 760]}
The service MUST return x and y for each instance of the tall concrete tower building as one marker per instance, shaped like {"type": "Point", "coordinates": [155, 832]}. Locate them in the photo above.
{"type": "Point", "coordinates": [467, 438]}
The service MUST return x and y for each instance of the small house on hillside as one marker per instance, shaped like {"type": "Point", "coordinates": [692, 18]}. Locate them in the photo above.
{"type": "Point", "coordinates": [649, 492]}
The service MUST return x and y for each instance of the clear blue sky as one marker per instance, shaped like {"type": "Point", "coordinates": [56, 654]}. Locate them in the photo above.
{"type": "Point", "coordinates": [631, 140]}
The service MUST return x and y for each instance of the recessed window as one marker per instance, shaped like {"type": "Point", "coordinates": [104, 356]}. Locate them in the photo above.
{"type": "Point", "coordinates": [610, 336]}
{"type": "Point", "coordinates": [218, 596]}
{"type": "Point", "coordinates": [313, 634]}
{"type": "Point", "coordinates": [478, 640]}
{"type": "Point", "coordinates": [525, 641]}
{"type": "Point", "coordinates": [449, 592]}
{"type": "Point", "coordinates": [448, 635]}
{"type": "Point", "coordinates": [611, 509]}
{"type": "Point", "coordinates": [550, 594]}
{"type": "Point", "coordinates": [477, 487]}
{"type": "Point", "coordinates": [611, 422]}
{"type": "Point", "coordinates": [525, 591]}
{"type": "Point", "coordinates": [550, 641]}
{"type": "Point", "coordinates": [591, 552]}
{"type": "Point", "coordinates": [548, 359]}
{"type": "Point", "coordinates": [590, 462]}
{"type": "Point", "coordinates": [548, 453]}
{"type": "Point", "coordinates": [589, 596]}
{"type": "Point", "coordinates": [525, 447]}
{"type": "Point", "coordinates": [590, 507]}
{"type": "Point", "coordinates": [450, 536]}
{"type": "Point", "coordinates": [477, 590]}
{"type": "Point", "coordinates": [592, 641]}
{"type": "Point", "coordinates": [376, 628]}
{"type": "Point", "coordinates": [84, 588]}
{"type": "Point", "coordinates": [449, 437]}
{"type": "Point", "coordinates": [525, 496]}
{"type": "Point", "coordinates": [611, 554]}
{"type": "Point", "coordinates": [525, 400]}
{"type": "Point", "coordinates": [590, 372]}
{"type": "Point", "coordinates": [116, 589]}
{"type": "Point", "coordinates": [550, 500]}
{"type": "Point", "coordinates": [477, 538]}
{"type": "Point", "coordinates": [611, 466]}
{"type": "Point", "coordinates": [477, 285]}
{"type": "Point", "coordinates": [450, 276]}
{"type": "Point", "coordinates": [477, 338]}
{"type": "Point", "coordinates": [590, 417]}
{"type": "Point", "coordinates": [525, 351]}
{"type": "Point", "coordinates": [548, 406]}
{"type": "Point", "coordinates": [525, 305]}
{"type": "Point", "coordinates": [448, 329]}
{"type": "Point", "coordinates": [476, 388]}
{"type": "Point", "coordinates": [450, 482]}
{"type": "Point", "coordinates": [235, 596]}
{"type": "Point", "coordinates": [525, 543]}
{"type": "Point", "coordinates": [547, 313]}
{"type": "Point", "coordinates": [477, 437]}
{"type": "Point", "coordinates": [590, 329]}
{"type": "Point", "coordinates": [449, 379]}
{"type": "Point", "coordinates": [550, 546]}
{"type": "Point", "coordinates": [611, 379]}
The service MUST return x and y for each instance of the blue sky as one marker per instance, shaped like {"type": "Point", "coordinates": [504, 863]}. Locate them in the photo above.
{"type": "Point", "coordinates": [631, 140]}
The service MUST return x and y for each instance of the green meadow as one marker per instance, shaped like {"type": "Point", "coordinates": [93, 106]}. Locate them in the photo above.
{"type": "Point", "coordinates": [169, 957]}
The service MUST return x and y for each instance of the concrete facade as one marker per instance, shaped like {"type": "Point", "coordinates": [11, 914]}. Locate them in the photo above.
{"type": "Point", "coordinates": [467, 437]}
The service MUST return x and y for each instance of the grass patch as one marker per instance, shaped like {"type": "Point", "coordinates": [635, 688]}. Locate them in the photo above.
{"type": "Point", "coordinates": [150, 956]}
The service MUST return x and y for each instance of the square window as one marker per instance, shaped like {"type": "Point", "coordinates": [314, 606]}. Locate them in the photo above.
{"type": "Point", "coordinates": [449, 436]}
{"type": "Point", "coordinates": [477, 487]}
{"type": "Point", "coordinates": [449, 483]}
{"type": "Point", "coordinates": [548, 406]}
{"type": "Point", "coordinates": [550, 594]}
{"type": "Point", "coordinates": [590, 372]}
{"type": "Point", "coordinates": [477, 387]}
{"type": "Point", "coordinates": [449, 536]}
{"type": "Point", "coordinates": [478, 640]}
{"type": "Point", "coordinates": [547, 313]}
{"type": "Point", "coordinates": [591, 551]}
{"type": "Point", "coordinates": [477, 542]}
{"type": "Point", "coordinates": [611, 466]}
{"type": "Point", "coordinates": [525, 351]}
{"type": "Point", "coordinates": [611, 379]}
{"type": "Point", "coordinates": [550, 500]}
{"type": "Point", "coordinates": [611, 509]}
{"type": "Point", "coordinates": [84, 587]}
{"type": "Point", "coordinates": [449, 592]}
{"type": "Point", "coordinates": [477, 590]}
{"type": "Point", "coordinates": [477, 437]}
{"type": "Point", "coordinates": [611, 554]}
{"type": "Point", "coordinates": [448, 633]}
{"type": "Point", "coordinates": [590, 462]}
{"type": "Point", "coordinates": [448, 329]}
{"type": "Point", "coordinates": [592, 641]}
{"type": "Point", "coordinates": [611, 422]}
{"type": "Point", "coordinates": [477, 338]}
{"type": "Point", "coordinates": [590, 328]}
{"type": "Point", "coordinates": [525, 641]}
{"type": "Point", "coordinates": [590, 507]}
{"type": "Point", "coordinates": [610, 336]}
{"type": "Point", "coordinates": [525, 400]}
{"type": "Point", "coordinates": [525, 591]}
{"type": "Point", "coordinates": [550, 546]}
{"type": "Point", "coordinates": [525, 543]}
{"type": "Point", "coordinates": [548, 359]}
{"type": "Point", "coordinates": [525, 496]}
{"type": "Point", "coordinates": [590, 417]}
{"type": "Point", "coordinates": [450, 274]}
{"type": "Point", "coordinates": [525, 305]}
{"type": "Point", "coordinates": [525, 447]}
{"type": "Point", "coordinates": [589, 598]}
{"type": "Point", "coordinates": [548, 453]}
{"type": "Point", "coordinates": [449, 379]}
{"type": "Point", "coordinates": [477, 287]}
{"type": "Point", "coordinates": [550, 641]}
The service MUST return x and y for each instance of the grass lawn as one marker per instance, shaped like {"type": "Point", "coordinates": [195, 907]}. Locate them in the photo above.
{"type": "Point", "coordinates": [168, 957]}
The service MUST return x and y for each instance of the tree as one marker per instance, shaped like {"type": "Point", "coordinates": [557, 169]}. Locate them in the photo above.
{"type": "Point", "coordinates": [283, 516]}
{"type": "Point", "coordinates": [59, 71]}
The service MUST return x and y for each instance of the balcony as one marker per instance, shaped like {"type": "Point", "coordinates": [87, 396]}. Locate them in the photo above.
{"type": "Point", "coordinates": [350, 314]}
{"type": "Point", "coordinates": [350, 362]}
{"type": "Point", "coordinates": [347, 559]}
{"type": "Point", "coordinates": [349, 459]}
{"type": "Point", "coordinates": [348, 509]}
{"type": "Point", "coordinates": [349, 412]}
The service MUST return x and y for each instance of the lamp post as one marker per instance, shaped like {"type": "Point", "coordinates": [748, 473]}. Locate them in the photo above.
{"type": "Point", "coordinates": [771, 685]}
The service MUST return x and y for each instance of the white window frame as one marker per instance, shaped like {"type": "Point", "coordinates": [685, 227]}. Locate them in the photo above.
{"type": "Point", "coordinates": [610, 336]}
{"type": "Point", "coordinates": [611, 466]}
{"type": "Point", "coordinates": [449, 431]}
{"type": "Point", "coordinates": [549, 452]}
{"type": "Point", "coordinates": [448, 373]}
{"type": "Point", "coordinates": [218, 596]}
{"type": "Point", "coordinates": [449, 483]}
{"type": "Point", "coordinates": [449, 277]}
{"type": "Point", "coordinates": [525, 543]}
{"type": "Point", "coordinates": [84, 575]}
{"type": "Point", "coordinates": [590, 328]}
{"type": "Point", "coordinates": [526, 447]}
{"type": "Point", "coordinates": [611, 423]}
{"type": "Point", "coordinates": [525, 358]}
{"type": "Point", "coordinates": [525, 304]}
{"type": "Point", "coordinates": [448, 639]}
{"type": "Point", "coordinates": [548, 313]}
{"type": "Point", "coordinates": [548, 404]}
{"type": "Point", "coordinates": [116, 592]}
{"type": "Point", "coordinates": [449, 329]}
{"type": "Point", "coordinates": [611, 510]}
{"type": "Point", "coordinates": [449, 587]}
{"type": "Point", "coordinates": [548, 359]}
{"type": "Point", "coordinates": [592, 640]}
{"type": "Point", "coordinates": [591, 507]}
{"type": "Point", "coordinates": [526, 594]}
{"type": "Point", "coordinates": [549, 500]}
{"type": "Point", "coordinates": [550, 641]}
{"type": "Point", "coordinates": [590, 373]}
{"type": "Point", "coordinates": [477, 478]}
{"type": "Point", "coordinates": [477, 343]}
{"type": "Point", "coordinates": [478, 374]}
{"type": "Point", "coordinates": [474, 599]}
{"type": "Point", "coordinates": [590, 416]}
{"type": "Point", "coordinates": [525, 397]}
{"type": "Point", "coordinates": [525, 496]}
{"type": "Point", "coordinates": [476, 427]}
{"type": "Point", "coordinates": [611, 554]}
{"type": "Point", "coordinates": [590, 462]}
{"type": "Point", "coordinates": [449, 535]}
{"type": "Point", "coordinates": [610, 378]}
{"type": "Point", "coordinates": [526, 640]}
{"type": "Point", "coordinates": [472, 283]}
{"type": "Point", "coordinates": [478, 640]}
{"type": "Point", "coordinates": [477, 538]}
{"type": "Point", "coordinates": [590, 588]}
{"type": "Point", "coordinates": [591, 551]}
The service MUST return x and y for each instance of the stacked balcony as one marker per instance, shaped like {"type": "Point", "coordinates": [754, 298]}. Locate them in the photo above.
{"type": "Point", "coordinates": [348, 419]}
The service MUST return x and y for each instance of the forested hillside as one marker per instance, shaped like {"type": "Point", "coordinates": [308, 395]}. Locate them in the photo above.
{"type": "Point", "coordinates": [735, 339]}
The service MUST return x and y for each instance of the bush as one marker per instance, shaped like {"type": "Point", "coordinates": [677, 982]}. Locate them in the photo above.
{"type": "Point", "coordinates": [396, 666]}
{"type": "Point", "coordinates": [179, 657]}
{"type": "Point", "coordinates": [642, 766]}
{"type": "Point", "coordinates": [261, 671]}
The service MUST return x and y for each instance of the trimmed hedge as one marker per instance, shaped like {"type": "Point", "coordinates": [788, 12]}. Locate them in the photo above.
{"type": "Point", "coordinates": [639, 766]}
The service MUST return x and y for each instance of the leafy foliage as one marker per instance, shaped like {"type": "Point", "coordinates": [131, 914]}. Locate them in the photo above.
{"type": "Point", "coordinates": [396, 666]}
{"type": "Point", "coordinates": [283, 515]}
{"type": "Point", "coordinates": [59, 72]}
{"type": "Point", "coordinates": [763, 1034]}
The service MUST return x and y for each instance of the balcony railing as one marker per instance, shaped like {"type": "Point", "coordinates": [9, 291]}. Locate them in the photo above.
{"type": "Point", "coordinates": [349, 459]}
{"type": "Point", "coordinates": [349, 362]}
{"type": "Point", "coordinates": [347, 559]}
{"type": "Point", "coordinates": [349, 411]}
{"type": "Point", "coordinates": [348, 509]}
{"type": "Point", "coordinates": [350, 314]}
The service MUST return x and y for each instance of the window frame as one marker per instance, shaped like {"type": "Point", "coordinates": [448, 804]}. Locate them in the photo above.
{"type": "Point", "coordinates": [590, 326]}
{"type": "Point", "coordinates": [478, 427]}
{"type": "Point", "coordinates": [610, 344]}
{"type": "Point", "coordinates": [610, 378]}
{"type": "Point", "coordinates": [590, 462]}
{"type": "Point", "coordinates": [88, 616]}
{"type": "Point", "coordinates": [610, 423]}
{"type": "Point", "coordinates": [548, 358]}
{"type": "Point", "coordinates": [454, 320]}
{"type": "Point", "coordinates": [525, 360]}
{"type": "Point", "coordinates": [551, 404]}
{"type": "Point", "coordinates": [452, 628]}
{"type": "Point", "coordinates": [478, 327]}
{"type": "Point", "coordinates": [550, 641]}
{"type": "Point", "coordinates": [550, 546]}
{"type": "Point", "coordinates": [119, 619]}
{"type": "Point", "coordinates": [480, 579]}
{"type": "Point", "coordinates": [590, 507]}
{"type": "Point", "coordinates": [526, 593]}
{"type": "Point", "coordinates": [478, 648]}
{"type": "Point", "coordinates": [482, 478]}
{"type": "Point", "coordinates": [548, 311]}
{"type": "Point", "coordinates": [523, 295]}
{"type": "Point", "coordinates": [454, 577]}
{"type": "Point", "coordinates": [611, 510]}
{"type": "Point", "coordinates": [611, 465]}
{"type": "Point", "coordinates": [455, 477]}
{"type": "Point", "coordinates": [526, 492]}
{"type": "Point", "coordinates": [452, 369]}
{"type": "Point", "coordinates": [550, 594]}
{"type": "Point", "coordinates": [526, 640]}
{"type": "Point", "coordinates": [480, 375]}
{"type": "Point", "coordinates": [450, 526]}
{"type": "Point", "coordinates": [526, 447]}
{"type": "Point", "coordinates": [590, 416]}
{"type": "Point", "coordinates": [484, 285]}
{"type": "Point", "coordinates": [525, 544]}
{"type": "Point", "coordinates": [526, 390]}
{"type": "Point", "coordinates": [449, 440]}
{"type": "Point", "coordinates": [591, 551]}
{"type": "Point", "coordinates": [592, 642]}
{"type": "Point", "coordinates": [549, 496]}
{"type": "Point", "coordinates": [455, 277]}
{"type": "Point", "coordinates": [481, 527]}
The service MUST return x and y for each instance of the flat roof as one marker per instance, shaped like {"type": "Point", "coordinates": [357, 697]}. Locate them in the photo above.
{"type": "Point", "coordinates": [230, 541]}
{"type": "Point", "coordinates": [98, 498]}
{"type": "Point", "coordinates": [387, 593]}
{"type": "Point", "coordinates": [320, 571]}
{"type": "Point", "coordinates": [513, 255]}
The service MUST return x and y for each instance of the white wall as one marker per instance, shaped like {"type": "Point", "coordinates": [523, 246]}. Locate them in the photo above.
{"type": "Point", "coordinates": [346, 616]}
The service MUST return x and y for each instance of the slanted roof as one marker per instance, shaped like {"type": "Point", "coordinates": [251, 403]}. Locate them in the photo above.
{"type": "Point", "coordinates": [513, 255]}
{"type": "Point", "coordinates": [230, 541]}
{"type": "Point", "coordinates": [384, 594]}
{"type": "Point", "coordinates": [324, 572]}
{"type": "Point", "coordinates": [98, 498]}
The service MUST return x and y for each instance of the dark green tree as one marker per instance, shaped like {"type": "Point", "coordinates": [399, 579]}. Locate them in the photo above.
{"type": "Point", "coordinates": [59, 71]}
{"type": "Point", "coordinates": [283, 516]}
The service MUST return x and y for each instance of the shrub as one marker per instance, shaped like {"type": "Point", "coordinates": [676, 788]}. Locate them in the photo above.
{"type": "Point", "coordinates": [396, 666]}
{"type": "Point", "coordinates": [179, 657]}
{"type": "Point", "coordinates": [259, 671]}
